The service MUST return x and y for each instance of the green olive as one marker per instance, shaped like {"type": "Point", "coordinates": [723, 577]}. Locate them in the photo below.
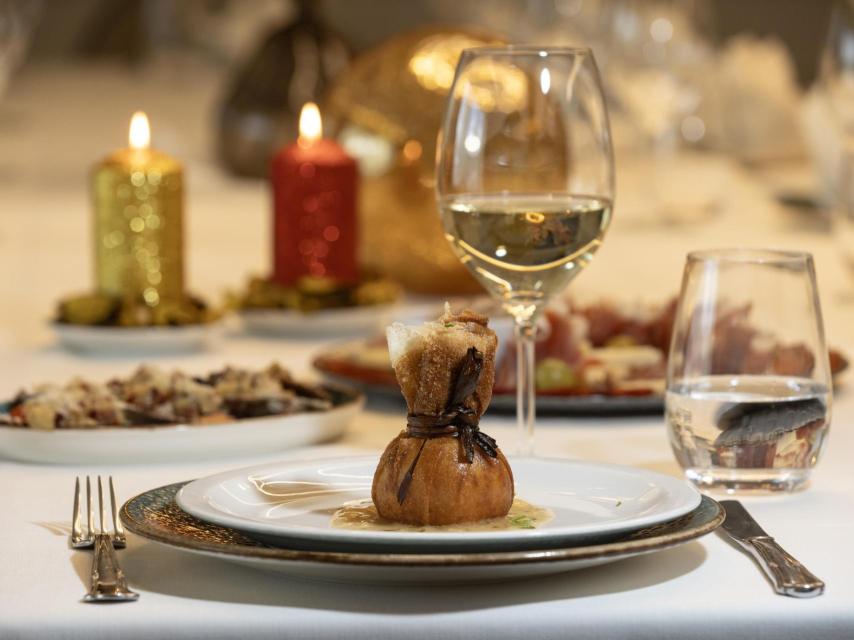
{"type": "Point", "coordinates": [88, 309]}
{"type": "Point", "coordinates": [553, 373]}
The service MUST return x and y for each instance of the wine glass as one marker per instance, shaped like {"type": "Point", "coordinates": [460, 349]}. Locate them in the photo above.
{"type": "Point", "coordinates": [661, 96]}
{"type": "Point", "coordinates": [18, 19]}
{"type": "Point", "coordinates": [525, 182]}
{"type": "Point", "coordinates": [836, 72]}
{"type": "Point", "coordinates": [832, 126]}
{"type": "Point", "coordinates": [748, 382]}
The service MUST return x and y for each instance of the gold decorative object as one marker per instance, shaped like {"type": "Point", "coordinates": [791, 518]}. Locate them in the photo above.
{"type": "Point", "coordinates": [138, 222]}
{"type": "Point", "coordinates": [386, 111]}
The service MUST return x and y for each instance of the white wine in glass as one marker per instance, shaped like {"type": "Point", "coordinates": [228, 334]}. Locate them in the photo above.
{"type": "Point", "coordinates": [525, 182]}
{"type": "Point", "coordinates": [524, 248]}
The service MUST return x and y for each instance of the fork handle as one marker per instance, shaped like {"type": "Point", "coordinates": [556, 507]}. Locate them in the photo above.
{"type": "Point", "coordinates": [789, 577]}
{"type": "Point", "coordinates": [107, 580]}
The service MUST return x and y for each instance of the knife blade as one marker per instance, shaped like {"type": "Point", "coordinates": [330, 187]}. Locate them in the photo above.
{"type": "Point", "coordinates": [788, 576]}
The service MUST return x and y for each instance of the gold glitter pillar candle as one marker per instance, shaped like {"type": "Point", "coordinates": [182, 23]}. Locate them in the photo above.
{"type": "Point", "coordinates": [138, 198]}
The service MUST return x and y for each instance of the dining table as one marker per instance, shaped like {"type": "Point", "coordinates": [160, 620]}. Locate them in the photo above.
{"type": "Point", "coordinates": [705, 589]}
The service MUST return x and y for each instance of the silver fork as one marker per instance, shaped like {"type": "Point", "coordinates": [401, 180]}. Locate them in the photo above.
{"type": "Point", "coordinates": [107, 580]}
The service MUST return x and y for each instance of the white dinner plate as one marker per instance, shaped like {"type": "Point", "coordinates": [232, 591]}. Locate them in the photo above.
{"type": "Point", "coordinates": [292, 503]}
{"type": "Point", "coordinates": [98, 340]}
{"type": "Point", "coordinates": [122, 445]}
{"type": "Point", "coordinates": [352, 321]}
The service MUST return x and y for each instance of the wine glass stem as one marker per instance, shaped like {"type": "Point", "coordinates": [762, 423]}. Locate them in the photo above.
{"type": "Point", "coordinates": [525, 392]}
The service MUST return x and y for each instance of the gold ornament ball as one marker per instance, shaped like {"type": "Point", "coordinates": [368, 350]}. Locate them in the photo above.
{"type": "Point", "coordinates": [386, 110]}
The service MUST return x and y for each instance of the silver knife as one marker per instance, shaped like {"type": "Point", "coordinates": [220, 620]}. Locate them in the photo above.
{"type": "Point", "coordinates": [789, 577]}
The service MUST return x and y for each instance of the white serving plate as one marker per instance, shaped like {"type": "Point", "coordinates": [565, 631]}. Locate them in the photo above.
{"type": "Point", "coordinates": [122, 445]}
{"type": "Point", "coordinates": [353, 321]}
{"type": "Point", "coordinates": [137, 340]}
{"type": "Point", "coordinates": [291, 504]}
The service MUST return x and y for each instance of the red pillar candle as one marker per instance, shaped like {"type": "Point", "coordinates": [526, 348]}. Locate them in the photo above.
{"type": "Point", "coordinates": [314, 207]}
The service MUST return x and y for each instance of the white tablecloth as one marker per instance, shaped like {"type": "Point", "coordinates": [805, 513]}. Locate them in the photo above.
{"type": "Point", "coordinates": [705, 589]}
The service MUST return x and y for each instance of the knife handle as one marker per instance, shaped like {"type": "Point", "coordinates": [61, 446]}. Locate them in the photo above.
{"type": "Point", "coordinates": [789, 577]}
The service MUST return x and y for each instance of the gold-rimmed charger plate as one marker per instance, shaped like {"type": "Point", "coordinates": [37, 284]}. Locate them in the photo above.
{"type": "Point", "coordinates": [155, 516]}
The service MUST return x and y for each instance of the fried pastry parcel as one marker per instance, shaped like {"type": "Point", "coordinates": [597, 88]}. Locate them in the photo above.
{"type": "Point", "coordinates": [442, 469]}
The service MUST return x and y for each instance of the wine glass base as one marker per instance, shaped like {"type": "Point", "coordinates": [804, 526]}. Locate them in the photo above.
{"type": "Point", "coordinates": [732, 481]}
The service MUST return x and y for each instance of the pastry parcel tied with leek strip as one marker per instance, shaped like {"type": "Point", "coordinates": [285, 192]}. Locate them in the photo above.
{"type": "Point", "coordinates": [442, 469]}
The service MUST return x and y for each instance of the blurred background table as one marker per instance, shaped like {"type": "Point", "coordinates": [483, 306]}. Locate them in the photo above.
{"type": "Point", "coordinates": [705, 589]}
{"type": "Point", "coordinates": [58, 117]}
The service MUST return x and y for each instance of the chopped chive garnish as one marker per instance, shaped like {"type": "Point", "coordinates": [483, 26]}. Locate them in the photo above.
{"type": "Point", "coordinates": [522, 522]}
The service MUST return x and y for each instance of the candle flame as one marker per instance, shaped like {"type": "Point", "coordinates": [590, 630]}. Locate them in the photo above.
{"type": "Point", "coordinates": [310, 126]}
{"type": "Point", "coordinates": [139, 135]}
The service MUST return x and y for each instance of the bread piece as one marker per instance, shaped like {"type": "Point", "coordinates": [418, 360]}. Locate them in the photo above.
{"type": "Point", "coordinates": [426, 360]}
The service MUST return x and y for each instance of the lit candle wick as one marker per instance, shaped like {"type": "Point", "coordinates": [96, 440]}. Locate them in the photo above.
{"type": "Point", "coordinates": [139, 135]}
{"type": "Point", "coordinates": [310, 126]}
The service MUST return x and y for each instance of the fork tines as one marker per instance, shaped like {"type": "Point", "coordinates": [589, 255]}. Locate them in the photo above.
{"type": "Point", "coordinates": [84, 538]}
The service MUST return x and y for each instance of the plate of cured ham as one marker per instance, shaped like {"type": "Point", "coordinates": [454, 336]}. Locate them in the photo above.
{"type": "Point", "coordinates": [600, 358]}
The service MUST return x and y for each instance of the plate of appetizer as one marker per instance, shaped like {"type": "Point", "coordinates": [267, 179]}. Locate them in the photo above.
{"type": "Point", "coordinates": [591, 359]}
{"type": "Point", "coordinates": [153, 415]}
{"type": "Point", "coordinates": [104, 324]}
{"type": "Point", "coordinates": [156, 517]}
{"type": "Point", "coordinates": [442, 483]}
{"type": "Point", "coordinates": [327, 505]}
{"type": "Point", "coordinates": [317, 307]}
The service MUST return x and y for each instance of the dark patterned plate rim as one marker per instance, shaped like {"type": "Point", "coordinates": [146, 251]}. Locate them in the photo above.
{"type": "Point", "coordinates": [154, 515]}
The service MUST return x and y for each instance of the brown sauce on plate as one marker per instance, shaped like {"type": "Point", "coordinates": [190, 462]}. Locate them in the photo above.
{"type": "Point", "coordinates": [362, 515]}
